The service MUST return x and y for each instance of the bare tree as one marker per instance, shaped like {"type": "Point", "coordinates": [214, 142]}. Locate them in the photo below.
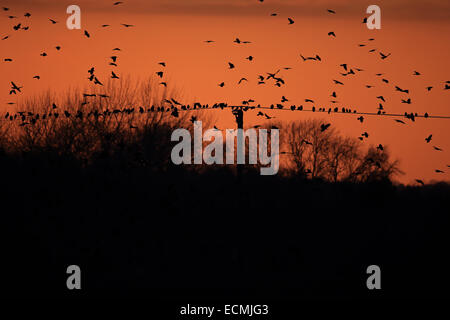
{"type": "Point", "coordinates": [321, 152]}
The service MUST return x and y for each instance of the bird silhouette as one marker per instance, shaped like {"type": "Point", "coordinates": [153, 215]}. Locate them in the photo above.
{"type": "Point", "coordinates": [113, 75]}
{"type": "Point", "coordinates": [53, 21]}
{"type": "Point", "coordinates": [291, 21]}
{"type": "Point", "coordinates": [331, 11]}
{"type": "Point", "coordinates": [86, 33]}
{"type": "Point", "coordinates": [401, 90]}
{"type": "Point", "coordinates": [324, 127]}
{"type": "Point", "coordinates": [331, 33]}
{"type": "Point", "coordinates": [384, 56]}
{"type": "Point", "coordinates": [15, 87]}
{"type": "Point", "coordinates": [160, 74]}
{"type": "Point", "coordinates": [231, 66]}
{"type": "Point", "coordinates": [437, 148]}
{"type": "Point", "coordinates": [96, 81]}
{"type": "Point", "coordinates": [420, 182]}
{"type": "Point", "coordinates": [407, 101]}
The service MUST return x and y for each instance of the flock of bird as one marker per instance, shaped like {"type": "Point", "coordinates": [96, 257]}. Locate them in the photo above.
{"type": "Point", "coordinates": [174, 107]}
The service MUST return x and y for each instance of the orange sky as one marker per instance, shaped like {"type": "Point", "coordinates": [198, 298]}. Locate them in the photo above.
{"type": "Point", "coordinates": [173, 31]}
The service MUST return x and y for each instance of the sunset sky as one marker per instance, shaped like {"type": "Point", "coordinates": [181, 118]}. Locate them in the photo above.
{"type": "Point", "coordinates": [416, 33]}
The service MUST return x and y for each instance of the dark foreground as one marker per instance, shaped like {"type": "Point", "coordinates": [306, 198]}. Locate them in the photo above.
{"type": "Point", "coordinates": [174, 233]}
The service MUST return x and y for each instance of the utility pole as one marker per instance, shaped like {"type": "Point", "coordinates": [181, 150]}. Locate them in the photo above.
{"type": "Point", "coordinates": [239, 115]}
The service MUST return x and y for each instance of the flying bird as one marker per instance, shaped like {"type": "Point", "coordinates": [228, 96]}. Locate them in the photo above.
{"type": "Point", "coordinates": [384, 56]}
{"type": "Point", "coordinates": [428, 139]}
{"type": "Point", "coordinates": [324, 127]}
{"type": "Point", "coordinates": [86, 33]}
{"type": "Point", "coordinates": [420, 182]}
{"type": "Point", "coordinates": [291, 21]}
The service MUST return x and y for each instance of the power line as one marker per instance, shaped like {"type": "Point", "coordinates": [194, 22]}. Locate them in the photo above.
{"type": "Point", "coordinates": [174, 110]}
